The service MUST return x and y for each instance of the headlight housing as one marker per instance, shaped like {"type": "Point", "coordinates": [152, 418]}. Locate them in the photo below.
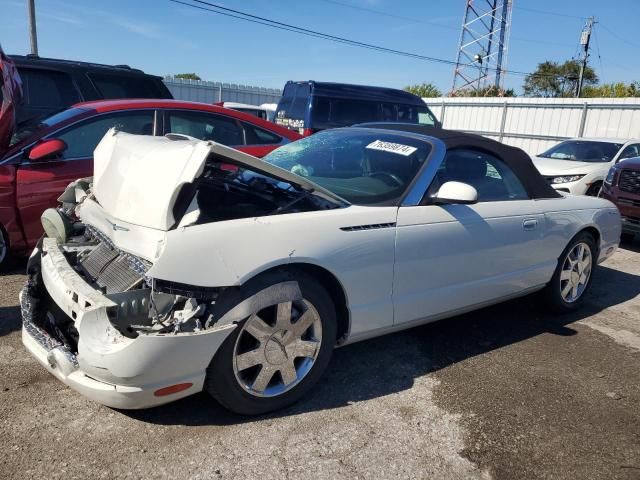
{"type": "Point", "coordinates": [611, 176]}
{"type": "Point", "coordinates": [566, 179]}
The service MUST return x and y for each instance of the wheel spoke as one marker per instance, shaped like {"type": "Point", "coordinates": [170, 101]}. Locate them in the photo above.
{"type": "Point", "coordinates": [283, 316]}
{"type": "Point", "coordinates": [303, 348]}
{"type": "Point", "coordinates": [303, 323]}
{"type": "Point", "coordinates": [574, 292]}
{"type": "Point", "coordinates": [250, 359]}
{"type": "Point", "coordinates": [580, 253]}
{"type": "Point", "coordinates": [288, 373]}
{"type": "Point", "coordinates": [258, 328]}
{"type": "Point", "coordinates": [566, 290]}
{"type": "Point", "coordinates": [565, 275]}
{"type": "Point", "coordinates": [263, 378]}
{"type": "Point", "coordinates": [285, 352]}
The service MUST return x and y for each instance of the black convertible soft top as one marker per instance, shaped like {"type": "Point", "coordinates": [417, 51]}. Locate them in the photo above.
{"type": "Point", "coordinates": [517, 159]}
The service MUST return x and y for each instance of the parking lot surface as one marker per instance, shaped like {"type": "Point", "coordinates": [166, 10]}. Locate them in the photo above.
{"type": "Point", "coordinates": [507, 392]}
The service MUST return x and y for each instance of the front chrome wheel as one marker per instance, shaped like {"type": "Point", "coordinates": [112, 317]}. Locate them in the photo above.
{"type": "Point", "coordinates": [277, 347]}
{"type": "Point", "coordinates": [576, 271]}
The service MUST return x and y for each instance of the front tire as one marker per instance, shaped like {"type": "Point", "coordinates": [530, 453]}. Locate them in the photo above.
{"type": "Point", "coordinates": [573, 275]}
{"type": "Point", "coordinates": [5, 256]}
{"type": "Point", "coordinates": [594, 190]}
{"type": "Point", "coordinates": [274, 357]}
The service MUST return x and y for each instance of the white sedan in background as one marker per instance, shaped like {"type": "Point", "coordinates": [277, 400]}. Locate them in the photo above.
{"type": "Point", "coordinates": [580, 165]}
{"type": "Point", "coordinates": [184, 265]}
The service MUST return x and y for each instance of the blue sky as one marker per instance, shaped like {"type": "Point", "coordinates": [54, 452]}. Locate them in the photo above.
{"type": "Point", "coordinates": [163, 38]}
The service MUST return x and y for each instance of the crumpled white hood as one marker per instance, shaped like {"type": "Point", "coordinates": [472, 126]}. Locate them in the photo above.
{"type": "Point", "coordinates": [137, 178]}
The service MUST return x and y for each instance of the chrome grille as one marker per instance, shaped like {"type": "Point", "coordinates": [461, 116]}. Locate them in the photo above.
{"type": "Point", "coordinates": [629, 181]}
{"type": "Point", "coordinates": [628, 201]}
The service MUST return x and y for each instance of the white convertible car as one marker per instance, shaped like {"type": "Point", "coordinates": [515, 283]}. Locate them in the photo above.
{"type": "Point", "coordinates": [184, 265]}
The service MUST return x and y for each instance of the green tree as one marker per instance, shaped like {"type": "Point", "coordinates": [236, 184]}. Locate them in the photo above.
{"type": "Point", "coordinates": [491, 91]}
{"type": "Point", "coordinates": [553, 79]}
{"type": "Point", "coordinates": [188, 76]}
{"type": "Point", "coordinates": [424, 90]}
{"type": "Point", "coordinates": [613, 90]}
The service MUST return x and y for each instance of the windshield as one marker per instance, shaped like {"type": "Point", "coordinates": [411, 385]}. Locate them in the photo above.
{"type": "Point", "coordinates": [362, 167]}
{"type": "Point", "coordinates": [583, 151]}
{"type": "Point", "coordinates": [34, 125]}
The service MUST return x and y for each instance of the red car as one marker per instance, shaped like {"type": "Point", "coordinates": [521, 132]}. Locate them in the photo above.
{"type": "Point", "coordinates": [622, 187]}
{"type": "Point", "coordinates": [46, 156]}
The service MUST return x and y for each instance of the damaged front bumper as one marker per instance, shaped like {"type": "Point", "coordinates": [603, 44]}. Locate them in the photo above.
{"type": "Point", "coordinates": [108, 367]}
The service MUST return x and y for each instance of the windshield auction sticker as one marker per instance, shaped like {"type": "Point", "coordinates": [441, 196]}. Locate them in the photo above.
{"type": "Point", "coordinates": [398, 148]}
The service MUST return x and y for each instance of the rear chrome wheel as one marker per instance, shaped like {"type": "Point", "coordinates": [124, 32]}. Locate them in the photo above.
{"type": "Point", "coordinates": [572, 278]}
{"type": "Point", "coordinates": [576, 272]}
{"type": "Point", "coordinates": [277, 347]}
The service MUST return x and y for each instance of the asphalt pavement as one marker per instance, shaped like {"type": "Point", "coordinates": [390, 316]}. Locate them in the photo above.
{"type": "Point", "coordinates": [508, 392]}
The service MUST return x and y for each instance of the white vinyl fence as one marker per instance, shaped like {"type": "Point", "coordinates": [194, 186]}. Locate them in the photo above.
{"type": "Point", "coordinates": [212, 92]}
{"type": "Point", "coordinates": [535, 124]}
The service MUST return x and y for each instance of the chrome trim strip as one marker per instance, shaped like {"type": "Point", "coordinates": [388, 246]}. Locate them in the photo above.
{"type": "Point", "coordinates": [372, 226]}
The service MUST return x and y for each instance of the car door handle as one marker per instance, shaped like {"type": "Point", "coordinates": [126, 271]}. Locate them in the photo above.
{"type": "Point", "coordinates": [530, 224]}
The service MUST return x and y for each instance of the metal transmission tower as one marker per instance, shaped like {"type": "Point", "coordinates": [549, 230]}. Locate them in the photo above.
{"type": "Point", "coordinates": [482, 53]}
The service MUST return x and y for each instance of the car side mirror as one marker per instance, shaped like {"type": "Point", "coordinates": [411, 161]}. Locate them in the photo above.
{"type": "Point", "coordinates": [47, 149]}
{"type": "Point", "coordinates": [456, 192]}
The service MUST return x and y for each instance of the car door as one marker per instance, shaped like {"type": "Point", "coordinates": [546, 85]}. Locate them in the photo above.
{"type": "Point", "coordinates": [40, 183]}
{"type": "Point", "coordinates": [452, 257]}
{"type": "Point", "coordinates": [258, 141]}
{"type": "Point", "coordinates": [204, 126]}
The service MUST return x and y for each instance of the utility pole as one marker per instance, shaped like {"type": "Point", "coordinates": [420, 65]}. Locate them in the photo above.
{"type": "Point", "coordinates": [32, 27]}
{"type": "Point", "coordinates": [585, 38]}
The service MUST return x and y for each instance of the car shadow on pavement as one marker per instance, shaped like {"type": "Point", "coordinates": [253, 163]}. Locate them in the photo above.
{"type": "Point", "coordinates": [10, 317]}
{"type": "Point", "coordinates": [633, 246]}
{"type": "Point", "coordinates": [392, 363]}
{"type": "Point", "coordinates": [10, 320]}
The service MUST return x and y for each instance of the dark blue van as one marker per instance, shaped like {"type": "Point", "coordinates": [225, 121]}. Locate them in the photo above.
{"type": "Point", "coordinates": [310, 106]}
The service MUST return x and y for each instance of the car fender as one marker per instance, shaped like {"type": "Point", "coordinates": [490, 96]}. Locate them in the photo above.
{"type": "Point", "coordinates": [352, 243]}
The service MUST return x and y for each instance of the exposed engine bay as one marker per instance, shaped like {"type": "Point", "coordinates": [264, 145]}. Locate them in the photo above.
{"type": "Point", "coordinates": [144, 305]}
{"type": "Point", "coordinates": [226, 192]}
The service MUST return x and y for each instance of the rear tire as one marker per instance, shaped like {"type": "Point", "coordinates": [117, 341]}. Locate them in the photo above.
{"type": "Point", "coordinates": [267, 363]}
{"type": "Point", "coordinates": [573, 275]}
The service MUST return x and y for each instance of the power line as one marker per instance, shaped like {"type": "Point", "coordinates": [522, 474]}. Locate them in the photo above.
{"type": "Point", "coordinates": [433, 24]}
{"type": "Point", "coordinates": [392, 15]}
{"type": "Point", "coordinates": [237, 14]}
{"type": "Point", "coordinates": [612, 32]}
{"type": "Point", "coordinates": [304, 31]}
{"type": "Point", "coordinates": [595, 36]}
{"type": "Point", "coordinates": [547, 12]}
